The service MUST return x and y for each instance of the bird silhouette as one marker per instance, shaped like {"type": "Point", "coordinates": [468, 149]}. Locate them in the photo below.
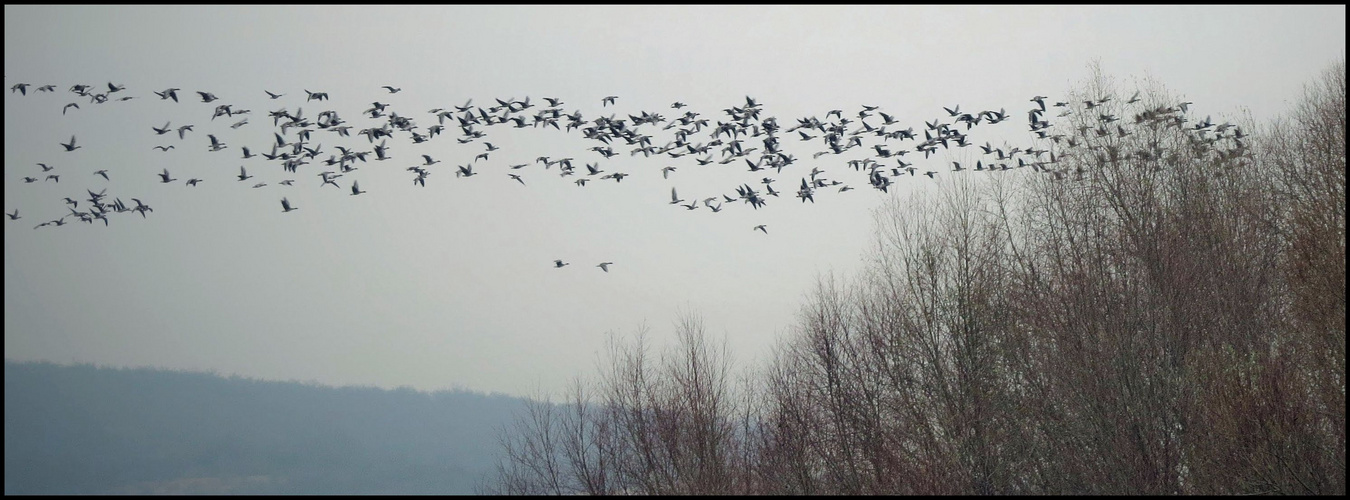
{"type": "Point", "coordinates": [286, 206]}
{"type": "Point", "coordinates": [170, 93]}
{"type": "Point", "coordinates": [558, 263]}
{"type": "Point", "coordinates": [71, 146]}
{"type": "Point", "coordinates": [604, 266]}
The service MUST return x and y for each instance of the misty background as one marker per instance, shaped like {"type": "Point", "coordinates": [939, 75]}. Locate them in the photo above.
{"type": "Point", "coordinates": [353, 344]}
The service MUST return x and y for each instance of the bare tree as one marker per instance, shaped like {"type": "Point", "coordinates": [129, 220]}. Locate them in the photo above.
{"type": "Point", "coordinates": [1157, 308]}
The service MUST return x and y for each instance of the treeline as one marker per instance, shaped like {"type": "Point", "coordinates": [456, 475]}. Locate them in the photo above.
{"type": "Point", "coordinates": [1164, 313]}
{"type": "Point", "coordinates": [87, 430]}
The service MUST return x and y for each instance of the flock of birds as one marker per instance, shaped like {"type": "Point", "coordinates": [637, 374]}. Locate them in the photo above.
{"type": "Point", "coordinates": [741, 135]}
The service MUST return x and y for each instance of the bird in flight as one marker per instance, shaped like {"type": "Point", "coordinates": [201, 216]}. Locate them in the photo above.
{"type": "Point", "coordinates": [103, 173]}
{"type": "Point", "coordinates": [558, 263]}
{"type": "Point", "coordinates": [762, 228]}
{"type": "Point", "coordinates": [193, 182]}
{"type": "Point", "coordinates": [608, 100]}
{"type": "Point", "coordinates": [517, 178]}
{"type": "Point", "coordinates": [68, 106]}
{"type": "Point", "coordinates": [163, 148]}
{"type": "Point", "coordinates": [243, 174]}
{"type": "Point", "coordinates": [168, 94]}
{"type": "Point", "coordinates": [71, 146]}
{"type": "Point", "coordinates": [392, 90]}
{"type": "Point", "coordinates": [140, 207]}
{"type": "Point", "coordinates": [164, 177]}
{"type": "Point", "coordinates": [14, 216]}
{"type": "Point", "coordinates": [605, 266]}
{"type": "Point", "coordinates": [674, 199]}
{"type": "Point", "coordinates": [274, 96]}
{"type": "Point", "coordinates": [286, 206]}
{"type": "Point", "coordinates": [356, 189]}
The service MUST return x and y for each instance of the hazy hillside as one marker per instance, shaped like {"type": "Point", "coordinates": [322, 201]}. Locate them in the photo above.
{"type": "Point", "coordinates": [89, 430]}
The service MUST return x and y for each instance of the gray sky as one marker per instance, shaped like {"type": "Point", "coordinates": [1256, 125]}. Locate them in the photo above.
{"type": "Point", "coordinates": [452, 284]}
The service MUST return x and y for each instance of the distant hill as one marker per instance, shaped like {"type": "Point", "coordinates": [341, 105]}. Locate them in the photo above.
{"type": "Point", "coordinates": [89, 430]}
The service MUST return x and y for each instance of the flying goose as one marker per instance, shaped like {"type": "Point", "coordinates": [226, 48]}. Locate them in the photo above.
{"type": "Point", "coordinates": [356, 189]}
{"type": "Point", "coordinates": [558, 263]}
{"type": "Point", "coordinates": [170, 93]}
{"type": "Point", "coordinates": [604, 266]}
{"type": "Point", "coordinates": [103, 173]}
{"type": "Point", "coordinates": [140, 207]}
{"type": "Point", "coordinates": [164, 177]}
{"type": "Point", "coordinates": [71, 146]}
{"type": "Point", "coordinates": [286, 206]}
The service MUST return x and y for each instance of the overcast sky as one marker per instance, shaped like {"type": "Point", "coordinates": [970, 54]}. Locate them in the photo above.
{"type": "Point", "coordinates": [452, 284]}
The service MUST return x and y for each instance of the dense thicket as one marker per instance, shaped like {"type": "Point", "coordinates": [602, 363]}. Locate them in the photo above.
{"type": "Point", "coordinates": [1163, 312]}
